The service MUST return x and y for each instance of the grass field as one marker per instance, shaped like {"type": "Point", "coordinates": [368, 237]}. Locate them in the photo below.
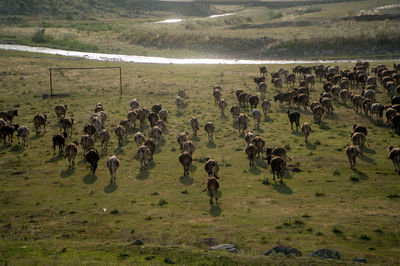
{"type": "Point", "coordinates": [50, 214]}
{"type": "Point", "coordinates": [316, 31]}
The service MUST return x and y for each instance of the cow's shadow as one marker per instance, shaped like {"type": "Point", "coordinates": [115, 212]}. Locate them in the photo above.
{"type": "Point", "coordinates": [89, 179]}
{"type": "Point", "coordinates": [110, 188]}
{"type": "Point", "coordinates": [67, 172]}
{"type": "Point", "coordinates": [282, 188]}
{"type": "Point", "coordinates": [186, 180]}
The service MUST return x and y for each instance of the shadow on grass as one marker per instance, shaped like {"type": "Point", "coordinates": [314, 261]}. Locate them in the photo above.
{"type": "Point", "coordinates": [261, 163]}
{"type": "Point", "coordinates": [369, 151]}
{"type": "Point", "coordinates": [287, 175]}
{"type": "Point", "coordinates": [324, 126]}
{"type": "Point", "coordinates": [110, 188]}
{"type": "Point", "coordinates": [268, 119]}
{"type": "Point", "coordinates": [89, 179]}
{"type": "Point", "coordinates": [55, 158]}
{"type": "Point", "coordinates": [363, 176]}
{"type": "Point", "coordinates": [118, 150]}
{"type": "Point", "coordinates": [18, 149]}
{"type": "Point", "coordinates": [186, 180]}
{"type": "Point", "coordinates": [215, 210]}
{"type": "Point", "coordinates": [366, 158]}
{"type": "Point", "coordinates": [311, 146]}
{"type": "Point", "coordinates": [192, 168]}
{"type": "Point", "coordinates": [297, 133]}
{"type": "Point", "coordinates": [195, 138]}
{"type": "Point", "coordinates": [142, 175]}
{"type": "Point", "coordinates": [67, 172]}
{"type": "Point", "coordinates": [211, 145]}
{"type": "Point", "coordinates": [254, 170]}
{"type": "Point", "coordinates": [260, 130]}
{"type": "Point", "coordinates": [282, 188]}
{"type": "Point", "coordinates": [35, 137]}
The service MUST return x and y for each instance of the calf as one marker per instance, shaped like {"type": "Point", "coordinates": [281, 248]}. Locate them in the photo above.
{"type": "Point", "coordinates": [209, 128]}
{"type": "Point", "coordinates": [352, 154]}
{"type": "Point", "coordinates": [257, 117]}
{"type": "Point", "coordinates": [92, 157]}
{"type": "Point", "coordinates": [60, 110]}
{"type": "Point", "coordinates": [212, 186]}
{"type": "Point", "coordinates": [143, 153]}
{"type": "Point", "coordinates": [189, 147]}
{"type": "Point", "coordinates": [358, 138]}
{"type": "Point", "coordinates": [151, 144]}
{"type": "Point", "coordinates": [23, 132]}
{"type": "Point", "coordinates": [113, 165]}
{"type": "Point", "coordinates": [186, 160]}
{"type": "Point", "coordinates": [105, 137]}
{"type": "Point", "coordinates": [163, 115]}
{"type": "Point", "coordinates": [59, 140]}
{"type": "Point", "coordinates": [120, 132]}
{"type": "Point", "coordinates": [394, 154]}
{"type": "Point", "coordinates": [39, 120]}
{"type": "Point", "coordinates": [194, 124]}
{"type": "Point", "coordinates": [294, 117]}
{"type": "Point", "coordinates": [306, 129]}
{"type": "Point", "coordinates": [87, 143]}
{"type": "Point", "coordinates": [70, 152]}
{"type": "Point", "coordinates": [251, 152]}
{"type": "Point", "coordinates": [243, 122]}
{"type": "Point", "coordinates": [211, 166]}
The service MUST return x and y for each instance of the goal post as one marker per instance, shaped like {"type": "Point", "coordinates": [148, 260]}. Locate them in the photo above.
{"type": "Point", "coordinates": [81, 68]}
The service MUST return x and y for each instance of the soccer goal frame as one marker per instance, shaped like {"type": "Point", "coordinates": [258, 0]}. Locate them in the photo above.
{"type": "Point", "coordinates": [82, 68]}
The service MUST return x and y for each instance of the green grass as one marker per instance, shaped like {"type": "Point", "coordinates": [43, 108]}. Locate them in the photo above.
{"type": "Point", "coordinates": [50, 214]}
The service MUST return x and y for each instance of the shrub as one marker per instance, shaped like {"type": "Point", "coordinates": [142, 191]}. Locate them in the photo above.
{"type": "Point", "coordinates": [40, 37]}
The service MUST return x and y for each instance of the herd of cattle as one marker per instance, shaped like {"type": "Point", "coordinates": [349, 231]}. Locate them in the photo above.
{"type": "Point", "coordinates": [338, 85]}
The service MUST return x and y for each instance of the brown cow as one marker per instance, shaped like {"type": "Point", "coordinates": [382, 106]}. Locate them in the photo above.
{"type": "Point", "coordinates": [352, 154]}
{"type": "Point", "coordinates": [212, 186]}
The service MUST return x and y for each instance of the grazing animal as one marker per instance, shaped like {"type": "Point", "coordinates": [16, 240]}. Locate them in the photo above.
{"type": "Point", "coordinates": [358, 138]}
{"type": "Point", "coordinates": [262, 89]}
{"type": "Point", "coordinates": [156, 134]}
{"type": "Point", "coordinates": [132, 116]}
{"type": "Point", "coordinates": [344, 95]}
{"type": "Point", "coordinates": [326, 103]}
{"type": "Point", "coordinates": [243, 99]}
{"type": "Point", "coordinates": [212, 186]}
{"type": "Point", "coordinates": [186, 160]}
{"type": "Point", "coordinates": [161, 124]}
{"type": "Point", "coordinates": [211, 166]}
{"type": "Point", "coordinates": [23, 132]}
{"type": "Point", "coordinates": [257, 117]}
{"type": "Point", "coordinates": [153, 118]}
{"type": "Point", "coordinates": [260, 144]}
{"type": "Point", "coordinates": [143, 153]}
{"type": "Point", "coordinates": [294, 117]}
{"type": "Point", "coordinates": [222, 106]}
{"type": "Point", "coordinates": [259, 80]}
{"type": "Point", "coordinates": [60, 110]}
{"type": "Point", "coordinates": [104, 137]}
{"type": "Point", "coordinates": [66, 123]}
{"type": "Point", "coordinates": [249, 137]}
{"type": "Point", "coordinates": [301, 99]}
{"type": "Point", "coordinates": [189, 147]}
{"type": "Point", "coordinates": [99, 107]}
{"type": "Point", "coordinates": [134, 104]}
{"type": "Point", "coordinates": [360, 128]}
{"type": "Point", "coordinates": [390, 113]}
{"type": "Point", "coordinates": [352, 154]}
{"type": "Point", "coordinates": [263, 70]}
{"type": "Point", "coordinates": [39, 121]}
{"type": "Point", "coordinates": [70, 152]}
{"type": "Point", "coordinates": [7, 131]}
{"type": "Point", "coordinates": [139, 139]}
{"type": "Point", "coordinates": [237, 93]}
{"type": "Point", "coordinates": [318, 111]}
{"type": "Point", "coordinates": [87, 143]}
{"type": "Point", "coordinates": [396, 123]}
{"type": "Point", "coordinates": [251, 152]}
{"type": "Point", "coordinates": [209, 128]}
{"type": "Point", "coordinates": [113, 165]}
{"type": "Point", "coordinates": [96, 122]}
{"type": "Point", "coordinates": [141, 116]}
{"type": "Point", "coordinates": [92, 157]}
{"type": "Point", "coordinates": [59, 140]}
{"type": "Point", "coordinates": [182, 94]}
{"type": "Point", "coordinates": [156, 108]}
{"type": "Point", "coordinates": [266, 107]}
{"type": "Point", "coordinates": [182, 138]}
{"type": "Point", "coordinates": [277, 151]}
{"type": "Point", "coordinates": [283, 97]}
{"type": "Point", "coordinates": [217, 96]}
{"type": "Point", "coordinates": [253, 100]}
{"type": "Point", "coordinates": [8, 116]}
{"type": "Point", "coordinates": [120, 132]}
{"type": "Point", "coordinates": [151, 144]}
{"type": "Point", "coordinates": [243, 122]}
{"type": "Point", "coordinates": [163, 114]}
{"type": "Point", "coordinates": [179, 104]}
{"type": "Point", "coordinates": [394, 154]}
{"type": "Point", "coordinates": [126, 125]}
{"type": "Point", "coordinates": [278, 166]}
{"type": "Point", "coordinates": [194, 124]}
{"type": "Point", "coordinates": [306, 129]}
{"type": "Point", "coordinates": [235, 112]}
{"type": "Point", "coordinates": [377, 108]}
{"type": "Point", "coordinates": [89, 129]}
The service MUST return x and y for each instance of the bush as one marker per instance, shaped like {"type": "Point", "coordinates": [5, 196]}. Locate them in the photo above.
{"type": "Point", "coordinates": [40, 37]}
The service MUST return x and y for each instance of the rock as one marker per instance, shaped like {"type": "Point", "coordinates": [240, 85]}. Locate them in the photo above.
{"type": "Point", "coordinates": [326, 253]}
{"type": "Point", "coordinates": [287, 251]}
{"type": "Point", "coordinates": [360, 260]}
{"type": "Point", "coordinates": [138, 242]}
{"type": "Point", "coordinates": [227, 247]}
{"type": "Point", "coordinates": [169, 261]}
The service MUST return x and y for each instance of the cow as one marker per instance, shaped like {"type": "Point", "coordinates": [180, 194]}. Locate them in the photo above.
{"type": "Point", "coordinates": [163, 114]}
{"type": "Point", "coordinates": [189, 147]}
{"type": "Point", "coordinates": [396, 123]}
{"type": "Point", "coordinates": [222, 106]}
{"type": "Point", "coordinates": [360, 128]}
{"type": "Point", "coordinates": [194, 124]}
{"type": "Point", "coordinates": [235, 112]}
{"type": "Point", "coordinates": [259, 80]}
{"type": "Point", "coordinates": [390, 113]}
{"type": "Point", "coordinates": [209, 128]}
{"type": "Point", "coordinates": [66, 123]}
{"type": "Point", "coordinates": [113, 165]}
{"type": "Point", "coordinates": [358, 138]}
{"type": "Point", "coordinates": [23, 132]}
{"type": "Point", "coordinates": [377, 108]}
{"type": "Point", "coordinates": [182, 94]}
{"type": "Point", "coordinates": [156, 134]}
{"type": "Point", "coordinates": [182, 138]}
{"type": "Point", "coordinates": [352, 154]}
{"type": "Point", "coordinates": [89, 129]}
{"type": "Point", "coordinates": [283, 97]}
{"type": "Point", "coordinates": [263, 70]}
{"type": "Point", "coordinates": [132, 116]}
{"type": "Point", "coordinates": [39, 121]}
{"type": "Point", "coordinates": [104, 137]}
{"type": "Point", "coordinates": [260, 144]}
{"type": "Point", "coordinates": [143, 154]}
{"type": "Point", "coordinates": [253, 100]}
{"type": "Point", "coordinates": [326, 103]}
{"type": "Point", "coordinates": [151, 144]}
{"type": "Point", "coordinates": [92, 157]}
{"type": "Point", "coordinates": [318, 112]}
{"type": "Point", "coordinates": [87, 143]}
{"type": "Point", "coordinates": [60, 110]}
{"type": "Point", "coordinates": [344, 95]}
{"type": "Point", "coordinates": [180, 104]}
{"type": "Point", "coordinates": [59, 140]}
{"type": "Point", "coordinates": [126, 125]}
{"type": "Point", "coordinates": [278, 166]}
{"type": "Point", "coordinates": [301, 99]}
{"type": "Point", "coordinates": [266, 107]}
{"type": "Point", "coordinates": [217, 96]}
{"type": "Point", "coordinates": [8, 116]}
{"type": "Point", "coordinates": [262, 89]}
{"type": "Point", "coordinates": [277, 151]}
{"type": "Point", "coordinates": [243, 122]}
{"type": "Point", "coordinates": [394, 154]}
{"type": "Point", "coordinates": [134, 104]}
{"type": "Point", "coordinates": [249, 137]}
{"type": "Point", "coordinates": [306, 130]}
{"type": "Point", "coordinates": [99, 107]}
{"type": "Point", "coordinates": [186, 160]}
{"type": "Point", "coordinates": [120, 132]}
{"type": "Point", "coordinates": [153, 118]}
{"type": "Point", "coordinates": [156, 108]}
{"type": "Point", "coordinates": [212, 186]}
{"type": "Point", "coordinates": [70, 152]}
{"type": "Point", "coordinates": [211, 166]}
{"type": "Point", "coordinates": [257, 117]}
{"type": "Point", "coordinates": [161, 124]}
{"type": "Point", "coordinates": [142, 114]}
{"type": "Point", "coordinates": [294, 117]}
{"type": "Point", "coordinates": [251, 152]}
